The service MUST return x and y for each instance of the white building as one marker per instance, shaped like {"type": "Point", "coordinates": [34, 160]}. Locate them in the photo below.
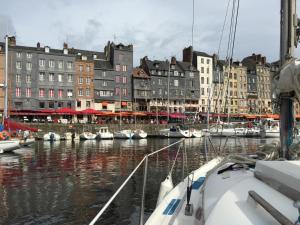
{"type": "Point", "coordinates": [204, 64]}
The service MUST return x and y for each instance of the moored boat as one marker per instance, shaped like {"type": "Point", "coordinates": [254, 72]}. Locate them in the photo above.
{"type": "Point", "coordinates": [196, 133]}
{"type": "Point", "coordinates": [104, 133]}
{"type": "Point", "coordinates": [71, 136]}
{"type": "Point", "coordinates": [51, 136]}
{"type": "Point", "coordinates": [123, 134]}
{"type": "Point", "coordinates": [139, 134]}
{"type": "Point", "coordinates": [9, 145]}
{"type": "Point", "coordinates": [175, 132]}
{"type": "Point", "coordinates": [87, 136]}
{"type": "Point", "coordinates": [27, 142]}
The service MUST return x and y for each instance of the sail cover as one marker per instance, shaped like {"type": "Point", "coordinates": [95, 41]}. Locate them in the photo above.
{"type": "Point", "coordinates": [11, 125]}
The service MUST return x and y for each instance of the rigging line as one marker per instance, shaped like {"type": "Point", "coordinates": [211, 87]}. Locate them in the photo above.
{"type": "Point", "coordinates": [224, 23]}
{"type": "Point", "coordinates": [230, 31]}
{"type": "Point", "coordinates": [193, 23]}
{"type": "Point", "coordinates": [235, 26]}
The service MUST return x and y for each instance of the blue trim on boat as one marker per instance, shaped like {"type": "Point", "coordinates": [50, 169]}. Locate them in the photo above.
{"type": "Point", "coordinates": [170, 209]}
{"type": "Point", "coordinates": [198, 183]}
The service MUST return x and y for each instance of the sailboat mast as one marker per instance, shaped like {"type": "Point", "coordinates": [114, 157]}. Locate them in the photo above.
{"type": "Point", "coordinates": [287, 45]}
{"type": "Point", "coordinates": [5, 114]}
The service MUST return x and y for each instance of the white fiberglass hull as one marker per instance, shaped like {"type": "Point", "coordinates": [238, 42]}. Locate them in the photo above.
{"type": "Point", "coordinates": [196, 133]}
{"type": "Point", "coordinates": [175, 134]}
{"type": "Point", "coordinates": [106, 135]}
{"type": "Point", "coordinates": [29, 141]}
{"type": "Point", "coordinates": [271, 134]}
{"type": "Point", "coordinates": [9, 145]}
{"type": "Point", "coordinates": [123, 134]}
{"type": "Point", "coordinates": [51, 136]}
{"type": "Point", "coordinates": [87, 136]}
{"type": "Point", "coordinates": [139, 134]}
{"type": "Point", "coordinates": [68, 136]}
{"type": "Point", "coordinates": [234, 203]}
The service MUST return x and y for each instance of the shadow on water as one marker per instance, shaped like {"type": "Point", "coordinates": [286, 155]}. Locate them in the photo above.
{"type": "Point", "coordinates": [68, 182]}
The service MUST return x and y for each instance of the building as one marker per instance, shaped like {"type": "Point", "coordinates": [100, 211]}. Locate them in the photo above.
{"type": "Point", "coordinates": [84, 85]}
{"type": "Point", "coordinates": [40, 77]}
{"type": "Point", "coordinates": [2, 75]}
{"type": "Point", "coordinates": [141, 84]}
{"type": "Point", "coordinates": [113, 73]}
{"type": "Point", "coordinates": [204, 64]}
{"type": "Point", "coordinates": [259, 84]}
{"type": "Point", "coordinates": [175, 85]}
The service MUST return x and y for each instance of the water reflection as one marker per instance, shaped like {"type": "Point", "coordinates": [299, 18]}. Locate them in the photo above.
{"type": "Point", "coordinates": [68, 182]}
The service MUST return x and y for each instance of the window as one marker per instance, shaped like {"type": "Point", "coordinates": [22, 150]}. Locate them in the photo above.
{"type": "Point", "coordinates": [29, 55]}
{"type": "Point", "coordinates": [51, 93]}
{"type": "Point", "coordinates": [88, 69]}
{"type": "Point", "coordinates": [124, 92]}
{"type": "Point", "coordinates": [60, 93]}
{"type": "Point", "coordinates": [28, 66]}
{"type": "Point", "coordinates": [80, 80]}
{"type": "Point", "coordinates": [88, 80]}
{"type": "Point", "coordinates": [60, 64]}
{"type": "Point", "coordinates": [202, 80]}
{"type": "Point", "coordinates": [175, 73]}
{"type": "Point", "coordinates": [18, 78]}
{"type": "Point", "coordinates": [28, 92]}
{"type": "Point", "coordinates": [153, 92]}
{"type": "Point", "coordinates": [117, 79]}
{"type": "Point", "coordinates": [207, 70]}
{"type": "Point", "coordinates": [104, 83]}
{"type": "Point", "coordinates": [41, 92]}
{"type": "Point", "coordinates": [18, 92]}
{"type": "Point", "coordinates": [117, 91]}
{"type": "Point", "coordinates": [159, 82]}
{"type": "Point", "coordinates": [70, 78]}
{"type": "Point", "coordinates": [181, 92]}
{"type": "Point", "coordinates": [51, 76]}
{"type": "Point", "coordinates": [202, 91]}
{"type": "Point", "coordinates": [60, 104]}
{"type": "Point", "coordinates": [124, 80]}
{"type": "Point", "coordinates": [69, 65]}
{"type": "Point", "coordinates": [42, 63]}
{"type": "Point", "coordinates": [51, 64]}
{"type": "Point", "coordinates": [202, 60]}
{"type": "Point", "coordinates": [79, 104]}
{"type": "Point", "coordinates": [207, 61]}
{"type": "Point", "coordinates": [80, 68]}
{"type": "Point", "coordinates": [230, 76]}
{"type": "Point", "coordinates": [19, 54]}
{"type": "Point", "coordinates": [160, 91]}
{"type": "Point", "coordinates": [59, 77]}
{"type": "Point", "coordinates": [118, 67]}
{"type": "Point", "coordinates": [191, 74]}
{"type": "Point", "coordinates": [176, 83]}
{"type": "Point", "coordinates": [103, 73]}
{"type": "Point", "coordinates": [159, 72]}
{"type": "Point", "coordinates": [124, 68]}
{"type": "Point", "coordinates": [87, 92]}
{"type": "Point", "coordinates": [88, 104]}
{"type": "Point", "coordinates": [51, 105]}
{"type": "Point", "coordinates": [80, 92]}
{"type": "Point", "coordinates": [28, 79]}
{"type": "Point", "coordinates": [70, 93]}
{"type": "Point", "coordinates": [18, 65]}
{"type": "Point", "coordinates": [207, 80]}
{"type": "Point", "coordinates": [235, 76]}
{"type": "Point", "coordinates": [202, 69]}
{"type": "Point", "coordinates": [42, 105]}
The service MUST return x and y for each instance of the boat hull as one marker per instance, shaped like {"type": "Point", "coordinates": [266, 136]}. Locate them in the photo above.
{"type": "Point", "coordinates": [139, 134]}
{"type": "Point", "coordinates": [87, 136]}
{"type": "Point", "coordinates": [9, 145]}
{"type": "Point", "coordinates": [49, 137]}
{"type": "Point", "coordinates": [123, 134]}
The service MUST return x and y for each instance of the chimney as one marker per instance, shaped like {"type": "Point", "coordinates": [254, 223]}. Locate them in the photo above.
{"type": "Point", "coordinates": [12, 41]}
{"type": "Point", "coordinates": [65, 45]}
{"type": "Point", "coordinates": [173, 60]}
{"type": "Point", "coordinates": [263, 60]}
{"type": "Point", "coordinates": [187, 54]}
{"type": "Point", "coordinates": [38, 45]}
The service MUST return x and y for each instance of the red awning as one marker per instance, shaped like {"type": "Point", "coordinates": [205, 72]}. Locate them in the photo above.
{"type": "Point", "coordinates": [48, 111]}
{"type": "Point", "coordinates": [177, 116]}
{"type": "Point", "coordinates": [66, 111]}
{"type": "Point", "coordinates": [124, 103]}
{"type": "Point", "coordinates": [88, 112]}
{"type": "Point", "coordinates": [11, 125]}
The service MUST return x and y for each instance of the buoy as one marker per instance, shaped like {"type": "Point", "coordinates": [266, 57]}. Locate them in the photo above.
{"type": "Point", "coordinates": [165, 187]}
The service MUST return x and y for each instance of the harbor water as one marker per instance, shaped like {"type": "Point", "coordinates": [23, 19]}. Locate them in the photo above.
{"type": "Point", "coordinates": [69, 182]}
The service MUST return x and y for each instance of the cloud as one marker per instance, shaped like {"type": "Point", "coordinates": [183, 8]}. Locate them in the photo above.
{"type": "Point", "coordinates": [6, 26]}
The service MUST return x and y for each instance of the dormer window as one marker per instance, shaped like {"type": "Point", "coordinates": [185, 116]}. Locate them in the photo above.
{"type": "Point", "coordinates": [172, 67]}
{"type": "Point", "coordinates": [156, 65]}
{"type": "Point", "coordinates": [84, 57]}
{"type": "Point", "coordinates": [95, 56]}
{"type": "Point", "coordinates": [47, 49]}
{"type": "Point", "coordinates": [175, 73]}
{"type": "Point", "coordinates": [65, 51]}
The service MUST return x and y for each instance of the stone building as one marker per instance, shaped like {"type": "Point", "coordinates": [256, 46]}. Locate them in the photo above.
{"type": "Point", "coordinates": [141, 84]}
{"type": "Point", "coordinates": [40, 77]}
{"type": "Point", "coordinates": [259, 84]}
{"type": "Point", "coordinates": [174, 84]}
{"type": "Point", "coordinates": [113, 73]}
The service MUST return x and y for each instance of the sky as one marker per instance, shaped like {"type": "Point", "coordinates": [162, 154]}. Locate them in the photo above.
{"type": "Point", "coordinates": [158, 29]}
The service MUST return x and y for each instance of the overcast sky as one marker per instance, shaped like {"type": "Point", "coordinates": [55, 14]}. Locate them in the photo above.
{"type": "Point", "coordinates": [156, 28]}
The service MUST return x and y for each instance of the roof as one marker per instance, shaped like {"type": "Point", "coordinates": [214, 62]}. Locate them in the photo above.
{"type": "Point", "coordinates": [197, 53]}
{"type": "Point", "coordinates": [157, 64]}
{"type": "Point", "coordinates": [103, 64]}
{"type": "Point", "coordinates": [186, 66]}
{"type": "Point", "coordinates": [139, 73]}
